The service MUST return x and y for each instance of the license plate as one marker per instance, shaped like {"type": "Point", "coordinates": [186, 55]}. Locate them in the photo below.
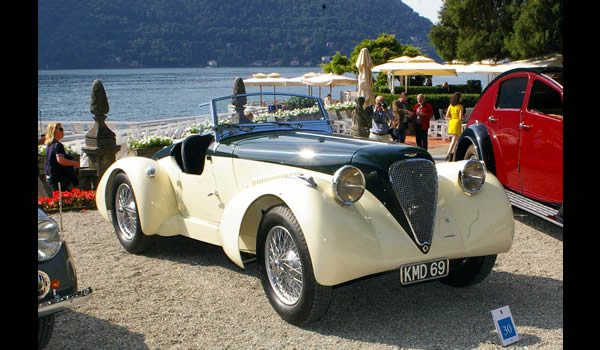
{"type": "Point", "coordinates": [424, 271]}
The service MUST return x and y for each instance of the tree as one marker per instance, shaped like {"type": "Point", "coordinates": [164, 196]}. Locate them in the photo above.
{"type": "Point", "coordinates": [382, 49]}
{"type": "Point", "coordinates": [537, 30]}
{"type": "Point", "coordinates": [339, 64]}
{"type": "Point", "coordinates": [472, 30]}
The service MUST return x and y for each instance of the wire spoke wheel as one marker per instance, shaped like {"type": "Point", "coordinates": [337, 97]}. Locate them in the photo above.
{"type": "Point", "coordinates": [126, 217]}
{"type": "Point", "coordinates": [283, 265]}
{"type": "Point", "coordinates": [286, 270]}
{"type": "Point", "coordinates": [126, 211]}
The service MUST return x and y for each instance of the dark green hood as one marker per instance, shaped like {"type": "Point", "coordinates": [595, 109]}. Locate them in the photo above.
{"type": "Point", "coordinates": [323, 153]}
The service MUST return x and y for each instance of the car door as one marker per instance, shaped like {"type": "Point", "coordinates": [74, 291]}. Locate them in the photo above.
{"type": "Point", "coordinates": [541, 154]}
{"type": "Point", "coordinates": [503, 127]}
{"type": "Point", "coordinates": [198, 191]}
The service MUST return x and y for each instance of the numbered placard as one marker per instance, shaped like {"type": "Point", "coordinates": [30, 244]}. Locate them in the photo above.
{"type": "Point", "coordinates": [505, 325]}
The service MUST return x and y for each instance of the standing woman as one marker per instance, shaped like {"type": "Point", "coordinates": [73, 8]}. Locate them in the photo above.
{"type": "Point", "coordinates": [455, 116]}
{"type": "Point", "coordinates": [59, 168]}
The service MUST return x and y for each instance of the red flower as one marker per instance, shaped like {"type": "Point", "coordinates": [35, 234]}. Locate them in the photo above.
{"type": "Point", "coordinates": [74, 198]}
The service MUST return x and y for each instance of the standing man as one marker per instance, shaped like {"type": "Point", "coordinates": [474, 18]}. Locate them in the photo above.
{"type": "Point", "coordinates": [401, 114]}
{"type": "Point", "coordinates": [423, 114]}
{"type": "Point", "coordinates": [382, 115]}
{"type": "Point", "coordinates": [361, 119]}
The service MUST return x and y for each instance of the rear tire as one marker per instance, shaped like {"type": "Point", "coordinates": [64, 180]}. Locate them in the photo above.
{"type": "Point", "coordinates": [286, 270]}
{"type": "Point", "coordinates": [125, 217]}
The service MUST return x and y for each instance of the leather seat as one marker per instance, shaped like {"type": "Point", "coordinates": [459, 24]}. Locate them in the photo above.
{"type": "Point", "coordinates": [193, 153]}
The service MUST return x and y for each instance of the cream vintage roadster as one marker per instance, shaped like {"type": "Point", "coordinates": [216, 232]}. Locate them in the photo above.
{"type": "Point", "coordinates": [317, 209]}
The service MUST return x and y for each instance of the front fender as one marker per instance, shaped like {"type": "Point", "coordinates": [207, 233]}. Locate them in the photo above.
{"type": "Point", "coordinates": [244, 211]}
{"type": "Point", "coordinates": [349, 242]}
{"type": "Point", "coordinates": [155, 198]}
{"type": "Point", "coordinates": [477, 135]}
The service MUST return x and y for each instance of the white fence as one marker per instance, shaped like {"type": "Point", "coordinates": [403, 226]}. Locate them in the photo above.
{"type": "Point", "coordinates": [75, 131]}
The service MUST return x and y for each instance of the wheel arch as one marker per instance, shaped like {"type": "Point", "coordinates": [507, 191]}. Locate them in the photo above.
{"type": "Point", "coordinates": [243, 214]}
{"type": "Point", "coordinates": [478, 136]}
{"type": "Point", "coordinates": [154, 194]}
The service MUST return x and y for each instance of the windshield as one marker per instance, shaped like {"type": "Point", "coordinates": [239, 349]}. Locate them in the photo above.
{"type": "Point", "coordinates": [239, 114]}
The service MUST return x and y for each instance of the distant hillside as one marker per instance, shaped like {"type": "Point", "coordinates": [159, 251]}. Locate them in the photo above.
{"type": "Point", "coordinates": [190, 33]}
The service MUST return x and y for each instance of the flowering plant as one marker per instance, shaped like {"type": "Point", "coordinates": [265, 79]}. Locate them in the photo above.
{"type": "Point", "coordinates": [341, 106]}
{"type": "Point", "coordinates": [42, 150]}
{"type": "Point", "coordinates": [74, 199]}
{"type": "Point", "coordinates": [199, 128]}
{"type": "Point", "coordinates": [150, 142]}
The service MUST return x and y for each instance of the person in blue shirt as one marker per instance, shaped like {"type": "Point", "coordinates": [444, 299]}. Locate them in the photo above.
{"type": "Point", "coordinates": [382, 115]}
{"type": "Point", "coordinates": [59, 166]}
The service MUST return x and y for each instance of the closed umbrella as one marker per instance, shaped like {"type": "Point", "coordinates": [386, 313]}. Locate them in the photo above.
{"type": "Point", "coordinates": [365, 77]}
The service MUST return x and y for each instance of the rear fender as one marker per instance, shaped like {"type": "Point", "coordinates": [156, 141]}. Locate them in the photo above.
{"type": "Point", "coordinates": [155, 197]}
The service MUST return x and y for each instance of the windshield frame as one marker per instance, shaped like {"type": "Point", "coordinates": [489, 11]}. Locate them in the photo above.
{"type": "Point", "coordinates": [224, 131]}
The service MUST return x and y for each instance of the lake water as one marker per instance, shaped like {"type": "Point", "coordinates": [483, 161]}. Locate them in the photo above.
{"type": "Point", "coordinates": [157, 93]}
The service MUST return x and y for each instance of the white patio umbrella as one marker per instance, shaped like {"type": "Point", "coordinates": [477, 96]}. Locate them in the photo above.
{"type": "Point", "coordinates": [330, 80]}
{"type": "Point", "coordinates": [490, 68]}
{"type": "Point", "coordinates": [409, 59]}
{"type": "Point", "coordinates": [272, 79]}
{"type": "Point", "coordinates": [420, 66]}
{"type": "Point", "coordinates": [299, 80]}
{"type": "Point", "coordinates": [365, 76]}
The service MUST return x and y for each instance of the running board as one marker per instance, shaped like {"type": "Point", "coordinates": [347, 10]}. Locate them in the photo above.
{"type": "Point", "coordinates": [538, 209]}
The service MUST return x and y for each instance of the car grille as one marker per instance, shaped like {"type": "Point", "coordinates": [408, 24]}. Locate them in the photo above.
{"type": "Point", "coordinates": [415, 184]}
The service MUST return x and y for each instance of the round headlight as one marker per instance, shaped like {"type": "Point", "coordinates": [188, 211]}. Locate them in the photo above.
{"type": "Point", "coordinates": [472, 177]}
{"type": "Point", "coordinates": [49, 239]}
{"type": "Point", "coordinates": [348, 184]}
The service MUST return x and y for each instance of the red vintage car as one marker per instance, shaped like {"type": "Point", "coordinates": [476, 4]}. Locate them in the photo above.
{"type": "Point", "coordinates": [516, 128]}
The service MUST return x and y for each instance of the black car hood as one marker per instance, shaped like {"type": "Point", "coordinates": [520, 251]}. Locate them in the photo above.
{"type": "Point", "coordinates": [318, 152]}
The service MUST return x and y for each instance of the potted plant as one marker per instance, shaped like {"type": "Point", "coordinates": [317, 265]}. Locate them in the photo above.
{"type": "Point", "coordinates": [199, 128]}
{"type": "Point", "coordinates": [148, 145]}
{"type": "Point", "coordinates": [346, 107]}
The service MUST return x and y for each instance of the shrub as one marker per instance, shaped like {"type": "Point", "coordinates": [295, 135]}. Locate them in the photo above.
{"type": "Point", "coordinates": [440, 101]}
{"type": "Point", "coordinates": [150, 142]}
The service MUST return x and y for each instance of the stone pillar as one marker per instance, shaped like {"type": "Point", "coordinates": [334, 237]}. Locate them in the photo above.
{"type": "Point", "coordinates": [100, 142]}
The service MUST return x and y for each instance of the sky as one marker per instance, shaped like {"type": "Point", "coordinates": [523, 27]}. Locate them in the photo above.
{"type": "Point", "coordinates": [426, 8]}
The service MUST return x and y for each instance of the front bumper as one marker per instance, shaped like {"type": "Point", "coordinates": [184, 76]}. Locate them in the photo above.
{"type": "Point", "coordinates": [61, 303]}
{"type": "Point", "coordinates": [60, 268]}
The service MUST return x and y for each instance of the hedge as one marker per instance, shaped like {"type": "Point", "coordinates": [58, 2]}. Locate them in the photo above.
{"type": "Point", "coordinates": [439, 101]}
{"type": "Point", "coordinates": [471, 87]}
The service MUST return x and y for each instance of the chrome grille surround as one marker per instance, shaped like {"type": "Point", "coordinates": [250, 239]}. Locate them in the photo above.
{"type": "Point", "coordinates": [415, 183]}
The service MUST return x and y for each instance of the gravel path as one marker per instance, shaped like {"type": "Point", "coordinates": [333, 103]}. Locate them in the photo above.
{"type": "Point", "coordinates": [185, 294]}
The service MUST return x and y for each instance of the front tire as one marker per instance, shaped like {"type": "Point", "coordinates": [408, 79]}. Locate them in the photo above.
{"type": "Point", "coordinates": [469, 271]}
{"type": "Point", "coordinates": [286, 270]}
{"type": "Point", "coordinates": [45, 327]}
{"type": "Point", "coordinates": [471, 152]}
{"type": "Point", "coordinates": [125, 217]}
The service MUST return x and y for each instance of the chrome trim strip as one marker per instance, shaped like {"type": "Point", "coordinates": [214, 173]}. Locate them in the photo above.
{"type": "Point", "coordinates": [65, 302]}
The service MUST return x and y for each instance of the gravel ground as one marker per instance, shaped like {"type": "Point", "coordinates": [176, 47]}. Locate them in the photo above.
{"type": "Point", "coordinates": [185, 294]}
